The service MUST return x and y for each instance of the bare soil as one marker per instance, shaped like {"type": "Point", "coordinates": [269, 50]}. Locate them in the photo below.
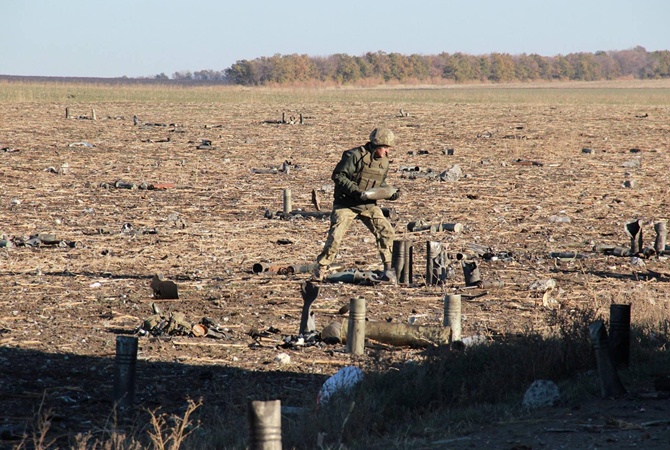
{"type": "Point", "coordinates": [62, 306]}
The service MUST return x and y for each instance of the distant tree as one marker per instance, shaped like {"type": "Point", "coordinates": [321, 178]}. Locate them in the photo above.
{"type": "Point", "coordinates": [325, 68]}
{"type": "Point", "coordinates": [161, 76]}
{"type": "Point", "coordinates": [399, 67]}
{"type": "Point", "coordinates": [347, 69]}
{"type": "Point", "coordinates": [632, 62]}
{"type": "Point", "coordinates": [484, 68]}
{"type": "Point", "coordinates": [419, 67]}
{"type": "Point", "coordinates": [660, 64]}
{"type": "Point", "coordinates": [207, 75]}
{"type": "Point", "coordinates": [380, 63]}
{"type": "Point", "coordinates": [544, 66]}
{"type": "Point", "coordinates": [585, 66]}
{"type": "Point", "coordinates": [609, 67]}
{"type": "Point", "coordinates": [277, 71]}
{"type": "Point", "coordinates": [304, 67]}
{"type": "Point", "coordinates": [243, 72]}
{"type": "Point", "coordinates": [282, 69]}
{"type": "Point", "coordinates": [436, 64]}
{"type": "Point", "coordinates": [526, 68]}
{"type": "Point", "coordinates": [460, 68]}
{"type": "Point", "coordinates": [502, 67]}
{"type": "Point", "coordinates": [364, 67]}
{"type": "Point", "coordinates": [182, 76]}
{"type": "Point", "coordinates": [562, 69]}
{"type": "Point", "coordinates": [264, 72]}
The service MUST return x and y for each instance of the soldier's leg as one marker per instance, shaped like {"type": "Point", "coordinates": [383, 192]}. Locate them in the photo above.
{"type": "Point", "coordinates": [340, 221]}
{"type": "Point", "coordinates": [382, 229]}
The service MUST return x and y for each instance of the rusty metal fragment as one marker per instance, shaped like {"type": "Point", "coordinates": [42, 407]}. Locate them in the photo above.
{"type": "Point", "coordinates": [634, 231]}
{"type": "Point", "coordinates": [164, 289]}
{"type": "Point", "coordinates": [471, 273]}
{"type": "Point", "coordinates": [309, 292]}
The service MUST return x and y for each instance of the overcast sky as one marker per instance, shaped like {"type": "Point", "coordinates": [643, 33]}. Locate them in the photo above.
{"type": "Point", "coordinates": [111, 38]}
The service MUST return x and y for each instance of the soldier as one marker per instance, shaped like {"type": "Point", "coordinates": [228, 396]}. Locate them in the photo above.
{"type": "Point", "coordinates": [360, 169]}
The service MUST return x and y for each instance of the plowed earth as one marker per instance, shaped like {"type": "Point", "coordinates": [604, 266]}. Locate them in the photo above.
{"type": "Point", "coordinates": [62, 306]}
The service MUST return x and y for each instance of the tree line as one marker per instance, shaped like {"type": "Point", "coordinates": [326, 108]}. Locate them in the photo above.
{"type": "Point", "coordinates": [378, 67]}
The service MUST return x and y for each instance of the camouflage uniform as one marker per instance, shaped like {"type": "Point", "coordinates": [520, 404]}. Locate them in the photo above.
{"type": "Point", "coordinates": [357, 171]}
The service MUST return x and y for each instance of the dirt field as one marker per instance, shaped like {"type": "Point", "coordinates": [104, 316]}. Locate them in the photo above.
{"type": "Point", "coordinates": [528, 189]}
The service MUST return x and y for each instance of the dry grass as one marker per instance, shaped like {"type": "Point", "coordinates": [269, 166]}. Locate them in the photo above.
{"type": "Point", "coordinates": [61, 308]}
{"type": "Point", "coordinates": [624, 92]}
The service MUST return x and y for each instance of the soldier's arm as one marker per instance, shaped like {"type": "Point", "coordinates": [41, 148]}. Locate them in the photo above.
{"type": "Point", "coordinates": [344, 173]}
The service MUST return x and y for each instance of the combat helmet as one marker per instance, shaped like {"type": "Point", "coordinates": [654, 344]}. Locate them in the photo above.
{"type": "Point", "coordinates": [382, 137]}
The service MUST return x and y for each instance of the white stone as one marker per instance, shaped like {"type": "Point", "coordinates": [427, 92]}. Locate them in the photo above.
{"type": "Point", "coordinates": [342, 381]}
{"type": "Point", "coordinates": [282, 358]}
{"type": "Point", "coordinates": [541, 393]}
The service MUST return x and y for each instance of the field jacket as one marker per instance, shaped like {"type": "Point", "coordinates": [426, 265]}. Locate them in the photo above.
{"type": "Point", "coordinates": [357, 171]}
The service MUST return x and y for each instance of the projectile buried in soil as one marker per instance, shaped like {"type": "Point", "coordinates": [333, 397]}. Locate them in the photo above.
{"type": "Point", "coordinates": [398, 334]}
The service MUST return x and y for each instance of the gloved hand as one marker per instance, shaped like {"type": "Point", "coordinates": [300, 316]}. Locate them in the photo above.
{"type": "Point", "coordinates": [395, 195]}
{"type": "Point", "coordinates": [362, 195]}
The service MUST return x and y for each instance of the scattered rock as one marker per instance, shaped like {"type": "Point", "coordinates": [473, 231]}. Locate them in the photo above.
{"type": "Point", "coordinates": [540, 394]}
{"type": "Point", "coordinates": [452, 174]}
{"type": "Point", "coordinates": [558, 219]}
{"type": "Point", "coordinates": [542, 285]}
{"type": "Point", "coordinates": [633, 163]}
{"type": "Point", "coordinates": [282, 358]}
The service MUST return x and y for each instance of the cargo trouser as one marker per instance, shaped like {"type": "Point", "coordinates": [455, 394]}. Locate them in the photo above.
{"type": "Point", "coordinates": [373, 218]}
